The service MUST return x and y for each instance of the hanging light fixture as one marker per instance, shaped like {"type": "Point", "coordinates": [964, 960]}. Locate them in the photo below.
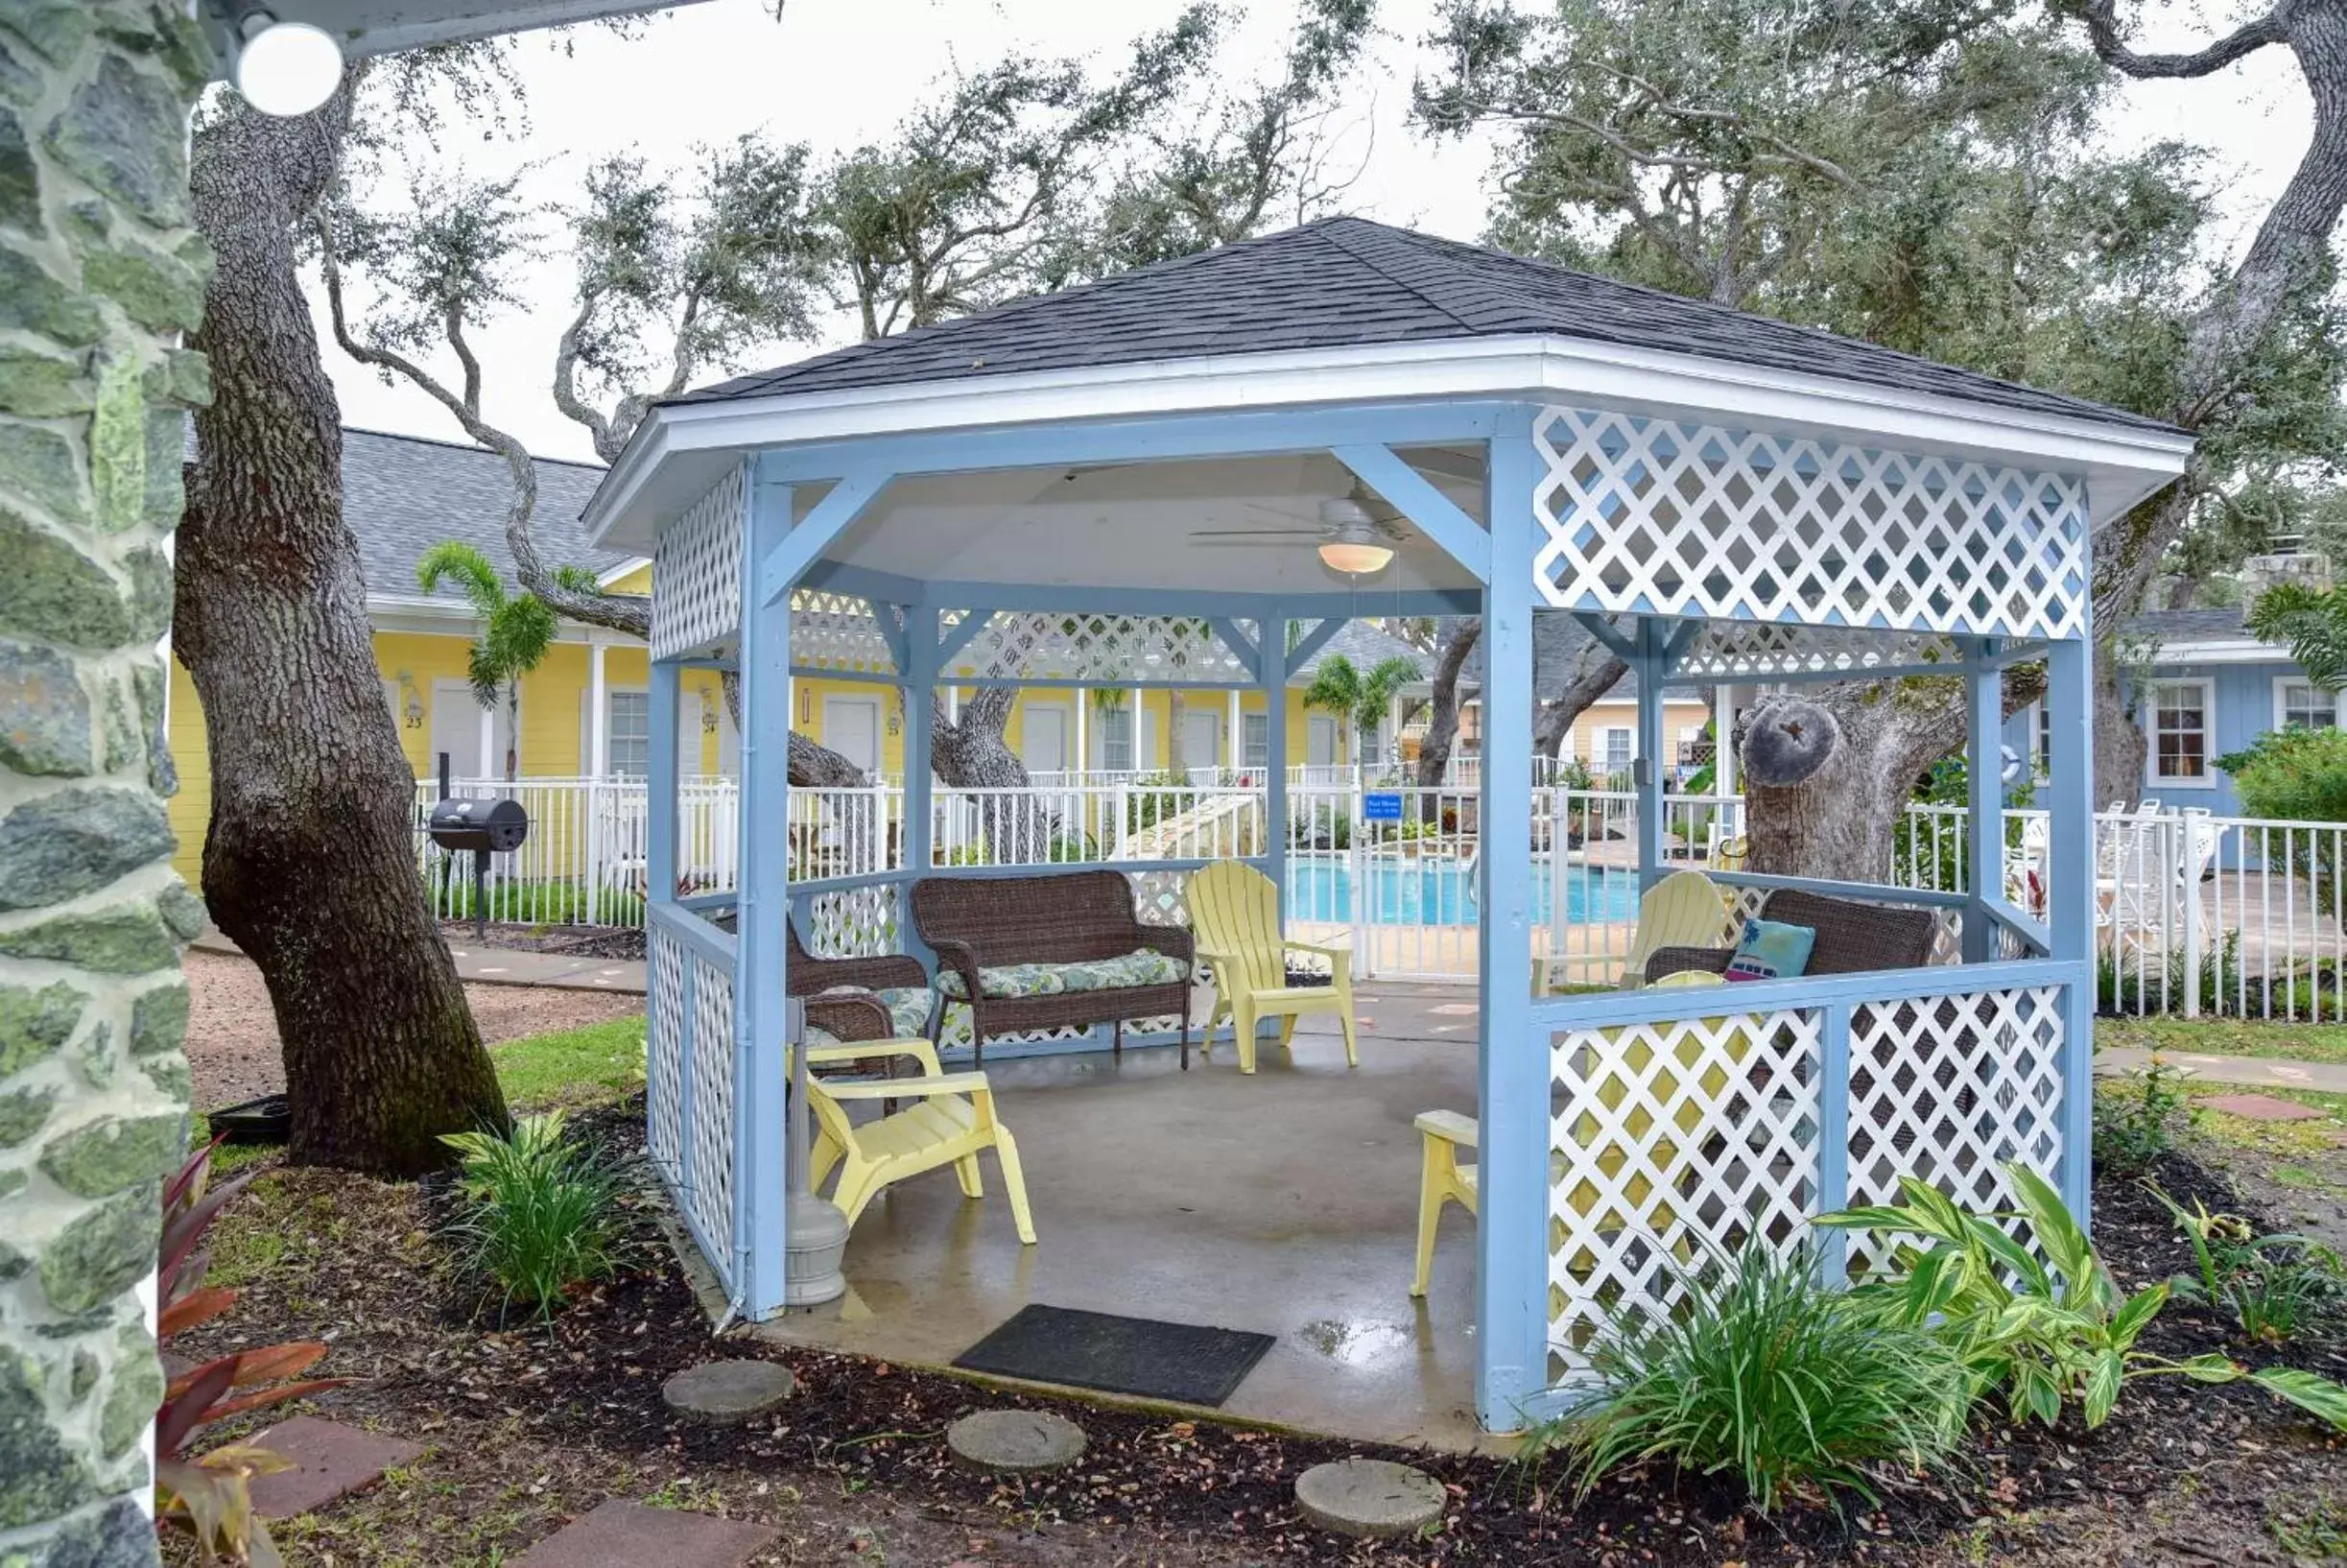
{"type": "Point", "coordinates": [1352, 546]}
{"type": "Point", "coordinates": [284, 69]}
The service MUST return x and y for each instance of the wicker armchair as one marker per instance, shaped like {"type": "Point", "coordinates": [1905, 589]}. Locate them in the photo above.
{"type": "Point", "coordinates": [978, 923]}
{"type": "Point", "coordinates": [849, 1017]}
{"type": "Point", "coordinates": [1852, 937]}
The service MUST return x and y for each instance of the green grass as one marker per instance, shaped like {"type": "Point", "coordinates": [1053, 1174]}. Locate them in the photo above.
{"type": "Point", "coordinates": [572, 1068]}
{"type": "Point", "coordinates": [2280, 1140]}
{"type": "Point", "coordinates": [2228, 1037]}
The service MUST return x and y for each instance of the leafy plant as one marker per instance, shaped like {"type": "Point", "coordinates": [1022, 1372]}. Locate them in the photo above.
{"type": "Point", "coordinates": [517, 630]}
{"type": "Point", "coordinates": [2047, 1333]}
{"type": "Point", "coordinates": [2297, 775]}
{"type": "Point", "coordinates": [209, 1496]}
{"type": "Point", "coordinates": [542, 1214]}
{"type": "Point", "coordinates": [2136, 1116]}
{"type": "Point", "coordinates": [1340, 687]}
{"type": "Point", "coordinates": [2274, 1287]}
{"type": "Point", "coordinates": [1764, 1374]}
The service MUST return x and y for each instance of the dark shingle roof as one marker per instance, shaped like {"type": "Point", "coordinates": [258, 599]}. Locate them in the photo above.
{"type": "Point", "coordinates": [2190, 626]}
{"type": "Point", "coordinates": [403, 494]}
{"type": "Point", "coordinates": [1365, 643]}
{"type": "Point", "coordinates": [1342, 282]}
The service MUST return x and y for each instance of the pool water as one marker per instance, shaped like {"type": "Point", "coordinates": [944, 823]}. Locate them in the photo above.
{"type": "Point", "coordinates": [1440, 893]}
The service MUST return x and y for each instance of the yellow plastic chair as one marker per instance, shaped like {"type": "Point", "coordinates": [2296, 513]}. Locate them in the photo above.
{"type": "Point", "coordinates": [1443, 1133]}
{"type": "Point", "coordinates": [951, 1122]}
{"type": "Point", "coordinates": [1685, 909]}
{"type": "Point", "coordinates": [1233, 913]}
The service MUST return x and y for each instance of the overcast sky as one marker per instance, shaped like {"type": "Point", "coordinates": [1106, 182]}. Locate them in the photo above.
{"type": "Point", "coordinates": [836, 73]}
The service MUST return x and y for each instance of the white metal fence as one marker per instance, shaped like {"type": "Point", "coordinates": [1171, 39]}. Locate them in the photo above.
{"type": "Point", "coordinates": [2195, 913]}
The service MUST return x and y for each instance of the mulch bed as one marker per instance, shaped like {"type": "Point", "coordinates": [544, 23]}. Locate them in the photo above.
{"type": "Point", "coordinates": [2181, 1473]}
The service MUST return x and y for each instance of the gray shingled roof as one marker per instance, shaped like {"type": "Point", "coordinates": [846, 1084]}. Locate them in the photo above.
{"type": "Point", "coordinates": [1342, 281]}
{"type": "Point", "coordinates": [1367, 645]}
{"type": "Point", "coordinates": [403, 494]}
{"type": "Point", "coordinates": [2190, 626]}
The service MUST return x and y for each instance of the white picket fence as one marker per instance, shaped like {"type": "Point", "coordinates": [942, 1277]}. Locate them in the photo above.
{"type": "Point", "coordinates": [2195, 913]}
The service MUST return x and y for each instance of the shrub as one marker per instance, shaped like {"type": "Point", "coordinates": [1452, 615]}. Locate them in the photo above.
{"type": "Point", "coordinates": [1766, 1375]}
{"type": "Point", "coordinates": [2136, 1116]}
{"type": "Point", "coordinates": [542, 1216]}
{"type": "Point", "coordinates": [2297, 775]}
{"type": "Point", "coordinates": [2047, 1333]}
{"type": "Point", "coordinates": [208, 1497]}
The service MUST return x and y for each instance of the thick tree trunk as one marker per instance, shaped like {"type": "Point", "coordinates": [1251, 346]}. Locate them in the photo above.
{"type": "Point", "coordinates": [1828, 773]}
{"type": "Point", "coordinates": [1591, 679]}
{"type": "Point", "coordinates": [309, 861]}
{"type": "Point", "coordinates": [969, 753]}
{"type": "Point", "coordinates": [1456, 642]}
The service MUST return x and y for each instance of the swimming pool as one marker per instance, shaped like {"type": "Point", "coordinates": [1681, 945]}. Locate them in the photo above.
{"type": "Point", "coordinates": [1439, 893]}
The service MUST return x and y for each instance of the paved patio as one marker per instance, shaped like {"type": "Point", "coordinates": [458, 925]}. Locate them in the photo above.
{"type": "Point", "coordinates": [1285, 1203]}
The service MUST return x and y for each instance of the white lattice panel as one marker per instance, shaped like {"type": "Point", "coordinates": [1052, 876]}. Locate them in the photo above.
{"type": "Point", "coordinates": [1648, 516]}
{"type": "Point", "coordinates": [851, 923]}
{"type": "Point", "coordinates": [838, 632]}
{"type": "Point", "coordinates": [1110, 650]}
{"type": "Point", "coordinates": [664, 1059]}
{"type": "Point", "coordinates": [1750, 649]}
{"type": "Point", "coordinates": [1671, 1144]}
{"type": "Point", "coordinates": [1949, 1089]}
{"type": "Point", "coordinates": [696, 574]}
{"type": "Point", "coordinates": [708, 1182]}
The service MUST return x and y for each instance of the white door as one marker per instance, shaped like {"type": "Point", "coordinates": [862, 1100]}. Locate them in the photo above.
{"type": "Point", "coordinates": [1321, 741]}
{"type": "Point", "coordinates": [456, 729]}
{"type": "Point", "coordinates": [851, 727]}
{"type": "Point", "coordinates": [1043, 737]}
{"type": "Point", "coordinates": [1201, 738]}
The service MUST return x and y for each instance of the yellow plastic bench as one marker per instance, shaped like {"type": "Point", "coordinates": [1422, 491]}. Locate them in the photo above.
{"type": "Point", "coordinates": [950, 1122]}
{"type": "Point", "coordinates": [1234, 914]}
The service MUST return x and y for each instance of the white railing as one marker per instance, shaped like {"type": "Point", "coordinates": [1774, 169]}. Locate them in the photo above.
{"type": "Point", "coordinates": [2195, 914]}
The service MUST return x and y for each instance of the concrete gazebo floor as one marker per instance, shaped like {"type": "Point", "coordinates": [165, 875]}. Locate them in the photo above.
{"type": "Point", "coordinates": [1283, 1203]}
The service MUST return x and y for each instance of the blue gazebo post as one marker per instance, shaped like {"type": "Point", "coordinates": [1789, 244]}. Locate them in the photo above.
{"type": "Point", "coordinates": [2070, 905]}
{"type": "Point", "coordinates": [1648, 768]}
{"type": "Point", "coordinates": [1271, 674]}
{"type": "Point", "coordinates": [1985, 796]}
{"type": "Point", "coordinates": [917, 683]}
{"type": "Point", "coordinates": [1513, 1090]}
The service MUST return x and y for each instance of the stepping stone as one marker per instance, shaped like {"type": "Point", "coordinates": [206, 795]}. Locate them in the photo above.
{"type": "Point", "coordinates": [1015, 1442]}
{"type": "Point", "coordinates": [1369, 1499]}
{"type": "Point", "coordinates": [722, 1393]}
{"type": "Point", "coordinates": [330, 1461]}
{"type": "Point", "coordinates": [2262, 1108]}
{"type": "Point", "coordinates": [621, 1534]}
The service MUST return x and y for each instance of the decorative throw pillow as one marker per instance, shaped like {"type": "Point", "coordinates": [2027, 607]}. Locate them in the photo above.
{"type": "Point", "coordinates": [1771, 950]}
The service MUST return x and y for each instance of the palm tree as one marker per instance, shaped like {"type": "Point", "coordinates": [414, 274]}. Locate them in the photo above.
{"type": "Point", "coordinates": [516, 628]}
{"type": "Point", "coordinates": [1339, 687]}
{"type": "Point", "coordinates": [2311, 623]}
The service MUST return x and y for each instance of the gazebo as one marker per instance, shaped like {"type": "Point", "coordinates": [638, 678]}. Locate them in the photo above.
{"type": "Point", "coordinates": [1011, 499]}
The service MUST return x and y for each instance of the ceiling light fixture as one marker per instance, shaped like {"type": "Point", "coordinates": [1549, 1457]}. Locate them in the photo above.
{"type": "Point", "coordinates": [1355, 550]}
{"type": "Point", "coordinates": [284, 69]}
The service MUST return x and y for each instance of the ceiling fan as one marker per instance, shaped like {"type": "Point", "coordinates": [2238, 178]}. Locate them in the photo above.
{"type": "Point", "coordinates": [1357, 534]}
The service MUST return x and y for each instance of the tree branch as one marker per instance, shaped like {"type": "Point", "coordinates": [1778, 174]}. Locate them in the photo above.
{"type": "Point", "coordinates": [2101, 21]}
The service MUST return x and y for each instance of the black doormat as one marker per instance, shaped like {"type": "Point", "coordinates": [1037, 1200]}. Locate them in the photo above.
{"type": "Point", "coordinates": [1099, 1351]}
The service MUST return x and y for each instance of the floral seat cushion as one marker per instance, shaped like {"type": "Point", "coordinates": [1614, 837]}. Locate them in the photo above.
{"type": "Point", "coordinates": [908, 1011]}
{"type": "Point", "coordinates": [1141, 966]}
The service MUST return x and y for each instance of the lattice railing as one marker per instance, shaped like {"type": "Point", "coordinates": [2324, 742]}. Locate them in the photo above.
{"type": "Point", "coordinates": [1096, 646]}
{"type": "Point", "coordinates": [690, 1127]}
{"type": "Point", "coordinates": [1650, 516]}
{"type": "Point", "coordinates": [838, 632]}
{"type": "Point", "coordinates": [1674, 1142]}
{"type": "Point", "coordinates": [696, 575]}
{"type": "Point", "coordinates": [1747, 649]}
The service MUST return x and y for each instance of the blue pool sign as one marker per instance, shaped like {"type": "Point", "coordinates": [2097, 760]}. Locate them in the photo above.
{"type": "Point", "coordinates": [1384, 806]}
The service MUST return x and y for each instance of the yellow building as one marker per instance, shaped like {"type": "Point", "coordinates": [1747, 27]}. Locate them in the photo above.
{"type": "Point", "coordinates": [585, 711]}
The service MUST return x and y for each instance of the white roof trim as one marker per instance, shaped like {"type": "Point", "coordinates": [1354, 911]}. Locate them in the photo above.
{"type": "Point", "coordinates": [2225, 651]}
{"type": "Point", "coordinates": [626, 569]}
{"type": "Point", "coordinates": [2123, 462]}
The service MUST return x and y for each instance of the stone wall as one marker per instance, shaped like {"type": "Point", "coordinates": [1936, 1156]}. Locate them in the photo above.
{"type": "Point", "coordinates": [99, 276]}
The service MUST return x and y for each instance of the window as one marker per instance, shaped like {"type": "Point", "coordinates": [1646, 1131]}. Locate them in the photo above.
{"type": "Point", "coordinates": [1255, 740]}
{"type": "Point", "coordinates": [2301, 706]}
{"type": "Point", "coordinates": [2180, 732]}
{"type": "Point", "coordinates": [630, 735]}
{"type": "Point", "coordinates": [1117, 739]}
{"type": "Point", "coordinates": [1617, 749]}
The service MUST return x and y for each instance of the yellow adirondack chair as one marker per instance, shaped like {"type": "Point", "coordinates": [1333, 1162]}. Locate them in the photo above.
{"type": "Point", "coordinates": [950, 1122]}
{"type": "Point", "coordinates": [1233, 913]}
{"type": "Point", "coordinates": [1685, 909]}
{"type": "Point", "coordinates": [1443, 1133]}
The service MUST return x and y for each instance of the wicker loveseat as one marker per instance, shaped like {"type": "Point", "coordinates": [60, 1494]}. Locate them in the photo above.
{"type": "Point", "coordinates": [1852, 937]}
{"type": "Point", "coordinates": [1052, 952]}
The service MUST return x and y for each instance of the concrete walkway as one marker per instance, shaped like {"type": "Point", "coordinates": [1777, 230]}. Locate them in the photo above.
{"type": "Point", "coordinates": [504, 966]}
{"type": "Point", "coordinates": [2265, 1072]}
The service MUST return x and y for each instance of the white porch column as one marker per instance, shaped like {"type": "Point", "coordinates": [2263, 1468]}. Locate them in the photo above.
{"type": "Point", "coordinates": [1238, 752]}
{"type": "Point", "coordinates": [599, 713]}
{"type": "Point", "coordinates": [492, 760]}
{"type": "Point", "coordinates": [1724, 750]}
{"type": "Point", "coordinates": [1084, 751]}
{"type": "Point", "coordinates": [1140, 759]}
